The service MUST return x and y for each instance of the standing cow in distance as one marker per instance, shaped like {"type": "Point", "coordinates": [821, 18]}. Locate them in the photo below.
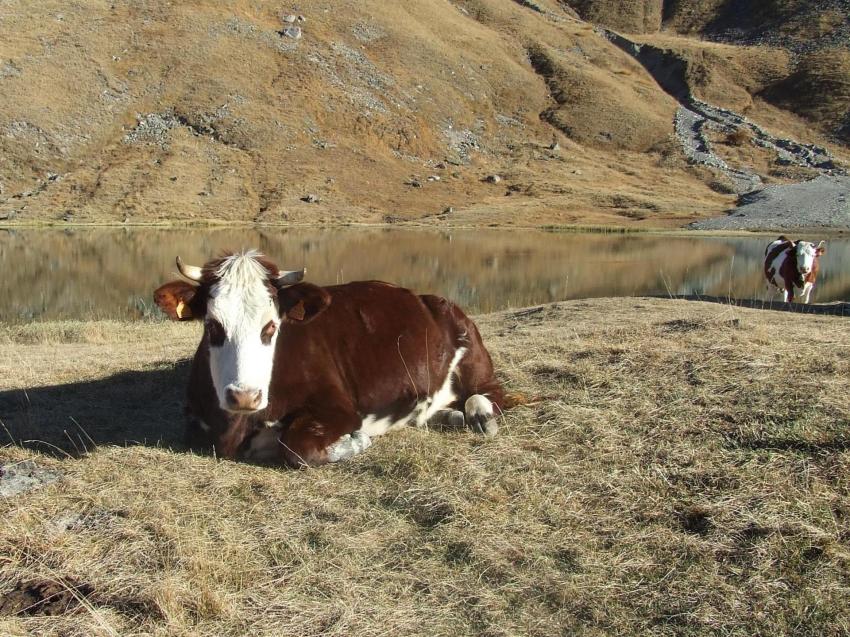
{"type": "Point", "coordinates": [792, 264]}
{"type": "Point", "coordinates": [294, 374]}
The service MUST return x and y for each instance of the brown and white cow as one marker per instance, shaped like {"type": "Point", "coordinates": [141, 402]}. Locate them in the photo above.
{"type": "Point", "coordinates": [295, 374]}
{"type": "Point", "coordinates": [792, 264]}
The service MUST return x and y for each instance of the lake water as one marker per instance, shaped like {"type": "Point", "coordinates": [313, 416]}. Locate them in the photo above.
{"type": "Point", "coordinates": [111, 273]}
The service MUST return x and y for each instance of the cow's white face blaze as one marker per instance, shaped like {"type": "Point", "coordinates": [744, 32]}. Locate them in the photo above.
{"type": "Point", "coordinates": [805, 254]}
{"type": "Point", "coordinates": [242, 324]}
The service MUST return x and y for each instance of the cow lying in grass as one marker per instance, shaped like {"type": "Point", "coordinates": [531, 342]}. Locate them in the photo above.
{"type": "Point", "coordinates": [792, 264]}
{"type": "Point", "coordinates": [295, 374]}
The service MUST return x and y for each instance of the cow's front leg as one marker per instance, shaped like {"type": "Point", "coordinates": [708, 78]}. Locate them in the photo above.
{"type": "Point", "coordinates": [348, 446]}
{"type": "Point", "coordinates": [311, 438]}
{"type": "Point", "coordinates": [807, 292]}
{"type": "Point", "coordinates": [788, 294]}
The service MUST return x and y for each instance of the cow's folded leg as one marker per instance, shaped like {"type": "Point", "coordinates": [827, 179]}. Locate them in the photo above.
{"type": "Point", "coordinates": [265, 445]}
{"type": "Point", "coordinates": [309, 438]}
{"type": "Point", "coordinates": [448, 418]}
{"type": "Point", "coordinates": [349, 446]}
{"type": "Point", "coordinates": [480, 415]}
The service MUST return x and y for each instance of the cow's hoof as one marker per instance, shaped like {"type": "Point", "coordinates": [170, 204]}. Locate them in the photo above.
{"type": "Point", "coordinates": [448, 418]}
{"type": "Point", "coordinates": [480, 415]}
{"type": "Point", "coordinates": [349, 446]}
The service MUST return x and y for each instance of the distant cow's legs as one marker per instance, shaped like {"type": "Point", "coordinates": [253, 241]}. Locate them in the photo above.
{"type": "Point", "coordinates": [788, 293]}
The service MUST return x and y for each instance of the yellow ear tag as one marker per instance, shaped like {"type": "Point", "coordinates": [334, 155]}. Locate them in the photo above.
{"type": "Point", "coordinates": [179, 310]}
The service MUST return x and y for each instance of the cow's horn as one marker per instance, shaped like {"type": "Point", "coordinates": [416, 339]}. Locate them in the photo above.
{"type": "Point", "coordinates": [191, 272]}
{"type": "Point", "coordinates": [290, 277]}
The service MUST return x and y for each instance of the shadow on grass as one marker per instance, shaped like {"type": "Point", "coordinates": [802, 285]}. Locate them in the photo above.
{"type": "Point", "coordinates": [135, 407]}
{"type": "Point", "coordinates": [827, 309]}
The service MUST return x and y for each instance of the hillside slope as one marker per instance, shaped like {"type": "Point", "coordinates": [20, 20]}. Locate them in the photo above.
{"type": "Point", "coordinates": [210, 111]}
{"type": "Point", "coordinates": [810, 38]}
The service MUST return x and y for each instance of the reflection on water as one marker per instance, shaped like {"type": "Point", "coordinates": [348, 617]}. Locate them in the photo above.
{"type": "Point", "coordinates": [111, 273]}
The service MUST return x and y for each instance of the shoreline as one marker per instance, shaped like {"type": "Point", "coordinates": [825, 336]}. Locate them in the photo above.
{"type": "Point", "coordinates": [412, 225]}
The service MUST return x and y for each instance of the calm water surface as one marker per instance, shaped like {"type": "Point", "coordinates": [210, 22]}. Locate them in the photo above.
{"type": "Point", "coordinates": [111, 273]}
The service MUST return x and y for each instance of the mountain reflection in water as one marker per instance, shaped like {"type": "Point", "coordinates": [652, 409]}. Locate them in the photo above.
{"type": "Point", "coordinates": [111, 273]}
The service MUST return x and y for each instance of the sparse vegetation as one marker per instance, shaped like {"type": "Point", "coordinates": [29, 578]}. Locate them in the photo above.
{"type": "Point", "coordinates": [686, 474]}
{"type": "Point", "coordinates": [367, 97]}
{"type": "Point", "coordinates": [739, 137]}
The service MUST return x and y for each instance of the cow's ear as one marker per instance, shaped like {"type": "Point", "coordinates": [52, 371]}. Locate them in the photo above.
{"type": "Point", "coordinates": [179, 300]}
{"type": "Point", "coordinates": [302, 303]}
{"type": "Point", "coordinates": [821, 249]}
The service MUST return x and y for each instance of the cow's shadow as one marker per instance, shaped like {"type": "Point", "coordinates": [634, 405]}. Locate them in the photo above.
{"type": "Point", "coordinates": [133, 407]}
{"type": "Point", "coordinates": [838, 308]}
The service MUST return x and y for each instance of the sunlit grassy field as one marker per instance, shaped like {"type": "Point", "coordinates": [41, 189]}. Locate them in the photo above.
{"type": "Point", "coordinates": [686, 473]}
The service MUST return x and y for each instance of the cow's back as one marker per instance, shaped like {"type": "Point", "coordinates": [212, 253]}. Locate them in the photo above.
{"type": "Point", "coordinates": [378, 345]}
{"type": "Point", "coordinates": [776, 260]}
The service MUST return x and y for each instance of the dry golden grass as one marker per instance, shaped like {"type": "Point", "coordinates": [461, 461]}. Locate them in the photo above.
{"type": "Point", "coordinates": [371, 98]}
{"type": "Point", "coordinates": [687, 475]}
{"type": "Point", "coordinates": [825, 74]}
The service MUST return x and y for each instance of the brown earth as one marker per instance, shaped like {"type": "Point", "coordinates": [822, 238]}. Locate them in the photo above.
{"type": "Point", "coordinates": [158, 112]}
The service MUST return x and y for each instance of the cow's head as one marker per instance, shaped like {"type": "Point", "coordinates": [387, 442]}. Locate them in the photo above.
{"type": "Point", "coordinates": [806, 253]}
{"type": "Point", "coordinates": [243, 299]}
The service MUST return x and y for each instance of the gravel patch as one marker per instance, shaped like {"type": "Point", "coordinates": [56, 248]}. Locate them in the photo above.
{"type": "Point", "coordinates": [819, 203]}
{"type": "Point", "coordinates": [20, 477]}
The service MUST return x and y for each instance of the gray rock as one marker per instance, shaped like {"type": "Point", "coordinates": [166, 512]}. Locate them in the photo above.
{"type": "Point", "coordinates": [433, 178]}
{"type": "Point", "coordinates": [20, 477]}
{"type": "Point", "coordinates": [493, 179]}
{"type": "Point", "coordinates": [289, 19]}
{"type": "Point", "coordinates": [448, 210]}
{"type": "Point", "coordinates": [292, 32]}
{"type": "Point", "coordinates": [310, 198]}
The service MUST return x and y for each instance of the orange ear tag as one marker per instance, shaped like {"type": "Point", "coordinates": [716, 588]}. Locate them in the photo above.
{"type": "Point", "coordinates": [179, 309]}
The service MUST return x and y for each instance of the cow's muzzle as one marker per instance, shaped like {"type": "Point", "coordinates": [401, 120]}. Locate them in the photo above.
{"type": "Point", "coordinates": [243, 399]}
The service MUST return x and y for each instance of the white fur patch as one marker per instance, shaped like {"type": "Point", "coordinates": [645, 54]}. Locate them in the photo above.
{"type": "Point", "coordinates": [240, 301]}
{"type": "Point", "coordinates": [424, 409]}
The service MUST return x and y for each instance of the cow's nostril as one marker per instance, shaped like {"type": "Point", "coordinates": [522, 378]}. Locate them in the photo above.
{"type": "Point", "coordinates": [243, 399]}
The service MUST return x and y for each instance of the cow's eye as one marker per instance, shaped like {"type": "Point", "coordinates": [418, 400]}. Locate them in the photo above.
{"type": "Point", "coordinates": [267, 333]}
{"type": "Point", "coordinates": [216, 332]}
